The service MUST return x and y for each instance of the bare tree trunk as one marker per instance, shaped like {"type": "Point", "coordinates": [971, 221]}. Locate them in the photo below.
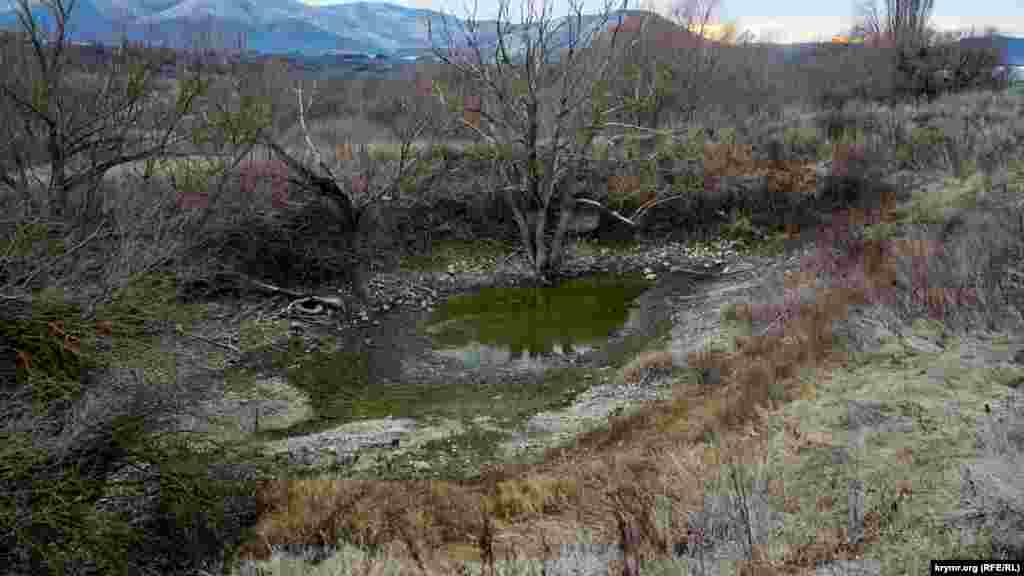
{"type": "Point", "coordinates": [541, 266]}
{"type": "Point", "coordinates": [567, 207]}
{"type": "Point", "coordinates": [524, 221]}
{"type": "Point", "coordinates": [526, 102]}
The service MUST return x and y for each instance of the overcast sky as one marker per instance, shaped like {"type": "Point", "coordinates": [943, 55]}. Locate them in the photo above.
{"type": "Point", "coordinates": [788, 20]}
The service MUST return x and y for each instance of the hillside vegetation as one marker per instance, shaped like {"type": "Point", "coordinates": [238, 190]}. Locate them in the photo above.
{"type": "Point", "coordinates": [172, 231]}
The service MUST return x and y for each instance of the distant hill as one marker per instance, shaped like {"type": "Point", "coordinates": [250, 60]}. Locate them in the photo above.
{"type": "Point", "coordinates": [88, 24]}
{"type": "Point", "coordinates": [272, 26]}
{"type": "Point", "coordinates": [268, 26]}
{"type": "Point", "coordinates": [1011, 47]}
{"type": "Point", "coordinates": [289, 26]}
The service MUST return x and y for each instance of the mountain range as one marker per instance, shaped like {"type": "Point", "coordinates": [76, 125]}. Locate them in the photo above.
{"type": "Point", "coordinates": [266, 26]}
{"type": "Point", "coordinates": [289, 26]}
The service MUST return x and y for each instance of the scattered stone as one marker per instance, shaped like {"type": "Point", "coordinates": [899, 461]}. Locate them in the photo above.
{"type": "Point", "coordinates": [864, 414]}
{"type": "Point", "coordinates": [865, 331]}
{"type": "Point", "coordinates": [711, 376]}
{"type": "Point", "coordinates": [922, 345]}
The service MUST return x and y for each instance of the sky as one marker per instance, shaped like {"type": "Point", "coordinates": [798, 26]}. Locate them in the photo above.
{"type": "Point", "coordinates": [783, 20]}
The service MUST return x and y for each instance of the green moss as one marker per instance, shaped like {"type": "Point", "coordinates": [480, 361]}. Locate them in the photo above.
{"type": "Point", "coordinates": [1015, 181]}
{"type": "Point", "coordinates": [479, 253]}
{"type": "Point", "coordinates": [254, 335]}
{"type": "Point", "coordinates": [456, 457]}
{"type": "Point", "coordinates": [741, 230]}
{"type": "Point", "coordinates": [930, 454]}
{"type": "Point", "coordinates": [801, 140]}
{"type": "Point", "coordinates": [730, 312]}
{"type": "Point", "coordinates": [148, 299]}
{"type": "Point", "coordinates": [385, 152]}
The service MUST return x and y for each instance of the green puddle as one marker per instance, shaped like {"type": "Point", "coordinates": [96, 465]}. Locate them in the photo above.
{"type": "Point", "coordinates": [492, 326]}
{"type": "Point", "coordinates": [502, 325]}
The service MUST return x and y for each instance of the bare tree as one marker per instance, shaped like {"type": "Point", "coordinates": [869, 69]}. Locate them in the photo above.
{"type": "Point", "coordinates": [350, 180]}
{"type": "Point", "coordinates": [80, 123]}
{"type": "Point", "coordinates": [535, 91]}
{"type": "Point", "coordinates": [905, 22]}
{"type": "Point", "coordinates": [868, 20]}
{"type": "Point", "coordinates": [698, 60]}
{"type": "Point", "coordinates": [667, 61]}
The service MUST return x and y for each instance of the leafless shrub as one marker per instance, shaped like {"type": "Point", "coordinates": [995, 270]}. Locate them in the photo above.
{"type": "Point", "coordinates": [961, 277]}
{"type": "Point", "coordinates": [73, 130]}
{"type": "Point", "coordinates": [990, 496]}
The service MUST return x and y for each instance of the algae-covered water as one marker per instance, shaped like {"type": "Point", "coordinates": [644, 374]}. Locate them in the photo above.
{"type": "Point", "coordinates": [523, 324]}
{"type": "Point", "coordinates": [525, 332]}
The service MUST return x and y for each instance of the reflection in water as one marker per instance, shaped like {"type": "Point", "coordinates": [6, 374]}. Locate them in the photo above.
{"type": "Point", "coordinates": [477, 355]}
{"type": "Point", "coordinates": [523, 325]}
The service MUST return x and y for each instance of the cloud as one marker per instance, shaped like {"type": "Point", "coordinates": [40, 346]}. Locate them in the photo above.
{"type": "Point", "coordinates": [795, 28]}
{"type": "Point", "coordinates": [1012, 25]}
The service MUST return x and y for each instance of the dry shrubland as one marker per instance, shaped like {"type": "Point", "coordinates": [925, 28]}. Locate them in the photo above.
{"type": "Point", "coordinates": [96, 280]}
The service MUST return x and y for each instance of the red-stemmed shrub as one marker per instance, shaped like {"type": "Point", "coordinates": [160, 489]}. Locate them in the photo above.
{"type": "Point", "coordinates": [274, 173]}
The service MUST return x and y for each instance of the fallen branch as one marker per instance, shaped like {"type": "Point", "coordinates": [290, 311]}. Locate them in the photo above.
{"type": "Point", "coordinates": [643, 209]}
{"type": "Point", "coordinates": [210, 341]}
{"type": "Point", "coordinates": [330, 302]}
{"type": "Point", "coordinates": [632, 221]}
{"type": "Point", "coordinates": [607, 210]}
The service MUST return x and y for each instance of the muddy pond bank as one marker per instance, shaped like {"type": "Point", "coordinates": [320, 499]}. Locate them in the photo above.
{"type": "Point", "coordinates": [375, 394]}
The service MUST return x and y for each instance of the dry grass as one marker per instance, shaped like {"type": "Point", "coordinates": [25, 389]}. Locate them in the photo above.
{"type": "Point", "coordinates": [784, 367]}
{"type": "Point", "coordinates": [617, 470]}
{"type": "Point", "coordinates": [661, 451]}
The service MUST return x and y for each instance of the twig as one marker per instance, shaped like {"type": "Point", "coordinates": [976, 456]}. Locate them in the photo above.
{"type": "Point", "coordinates": [643, 209]}
{"type": "Point", "coordinates": [210, 341]}
{"type": "Point", "coordinates": [73, 249]}
{"type": "Point", "coordinates": [514, 253]}
{"type": "Point", "coordinates": [607, 210]}
{"type": "Point", "coordinates": [331, 302]}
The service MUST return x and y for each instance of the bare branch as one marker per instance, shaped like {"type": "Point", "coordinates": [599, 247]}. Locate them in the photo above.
{"type": "Point", "coordinates": [305, 132]}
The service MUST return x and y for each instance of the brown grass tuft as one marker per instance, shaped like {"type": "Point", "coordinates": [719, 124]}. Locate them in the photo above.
{"type": "Point", "coordinates": [533, 496]}
{"type": "Point", "coordinates": [320, 511]}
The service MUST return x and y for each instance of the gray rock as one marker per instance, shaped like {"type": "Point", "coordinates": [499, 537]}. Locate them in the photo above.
{"type": "Point", "coordinates": [865, 331]}
{"type": "Point", "coordinates": [1018, 358]}
{"type": "Point", "coordinates": [922, 345]}
{"type": "Point", "coordinates": [582, 559]}
{"type": "Point", "coordinates": [864, 414]}
{"type": "Point", "coordinates": [711, 376]}
{"type": "Point", "coordinates": [840, 455]}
